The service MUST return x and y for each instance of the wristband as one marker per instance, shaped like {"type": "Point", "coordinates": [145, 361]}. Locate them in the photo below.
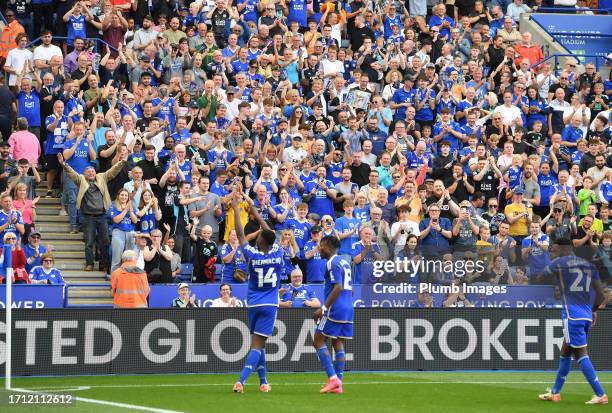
{"type": "Point", "coordinates": [323, 309]}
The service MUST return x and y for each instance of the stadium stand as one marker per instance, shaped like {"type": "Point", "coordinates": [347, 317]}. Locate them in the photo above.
{"type": "Point", "coordinates": [331, 116]}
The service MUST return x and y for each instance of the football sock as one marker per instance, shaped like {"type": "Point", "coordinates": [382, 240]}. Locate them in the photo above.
{"type": "Point", "coordinates": [565, 365]}
{"type": "Point", "coordinates": [251, 363]}
{"type": "Point", "coordinates": [339, 363]}
{"type": "Point", "coordinates": [589, 373]}
{"type": "Point", "coordinates": [326, 361]}
{"type": "Point", "coordinates": [261, 368]}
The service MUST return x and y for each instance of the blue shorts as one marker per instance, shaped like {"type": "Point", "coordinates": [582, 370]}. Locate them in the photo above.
{"type": "Point", "coordinates": [262, 319]}
{"type": "Point", "coordinates": [333, 329]}
{"type": "Point", "coordinates": [575, 332]}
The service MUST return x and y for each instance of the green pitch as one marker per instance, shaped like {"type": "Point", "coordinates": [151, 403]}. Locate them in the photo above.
{"type": "Point", "coordinates": [363, 392]}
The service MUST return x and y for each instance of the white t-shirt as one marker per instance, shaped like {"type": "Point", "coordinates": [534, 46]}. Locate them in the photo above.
{"type": "Point", "coordinates": [547, 81]}
{"type": "Point", "coordinates": [16, 59]}
{"type": "Point", "coordinates": [294, 156]}
{"type": "Point", "coordinates": [46, 53]}
{"type": "Point", "coordinates": [328, 67]}
{"type": "Point", "coordinates": [413, 228]}
{"type": "Point", "coordinates": [219, 303]}
{"type": "Point", "coordinates": [509, 114]}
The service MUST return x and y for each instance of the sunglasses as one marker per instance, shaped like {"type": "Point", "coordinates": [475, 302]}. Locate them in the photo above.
{"type": "Point", "coordinates": [11, 239]}
{"type": "Point", "coordinates": [492, 206]}
{"type": "Point", "coordinates": [283, 169]}
{"type": "Point", "coordinates": [47, 260]}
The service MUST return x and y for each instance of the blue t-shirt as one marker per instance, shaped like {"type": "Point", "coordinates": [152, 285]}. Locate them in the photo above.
{"type": "Point", "coordinates": [237, 263]}
{"type": "Point", "coordinates": [320, 203]}
{"type": "Point", "coordinates": [547, 188]}
{"type": "Point", "coordinates": [264, 269]}
{"type": "Point", "coordinates": [298, 295]}
{"type": "Point", "coordinates": [338, 271]}
{"type": "Point", "coordinates": [55, 139]}
{"type": "Point", "coordinates": [315, 266]}
{"type": "Point", "coordinates": [29, 253]}
{"type": "Point", "coordinates": [365, 269]}
{"type": "Point", "coordinates": [301, 231]}
{"type": "Point", "coordinates": [166, 111]}
{"type": "Point", "coordinates": [576, 277]}
{"type": "Point", "coordinates": [345, 225]}
{"type": "Point", "coordinates": [452, 139]}
{"type": "Point", "coordinates": [125, 224]}
{"type": "Point", "coordinates": [28, 106]}
{"type": "Point", "coordinates": [4, 218]}
{"type": "Point", "coordinates": [606, 190]}
{"type": "Point", "coordinates": [297, 12]}
{"type": "Point", "coordinates": [537, 258]}
{"type": "Point", "coordinates": [147, 222]}
{"type": "Point", "coordinates": [80, 158]}
{"type": "Point", "coordinates": [76, 28]}
{"type": "Point", "coordinates": [54, 276]}
{"type": "Point", "coordinates": [402, 95]}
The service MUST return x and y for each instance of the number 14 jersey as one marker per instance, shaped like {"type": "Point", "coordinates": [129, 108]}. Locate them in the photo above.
{"type": "Point", "coordinates": [264, 269]}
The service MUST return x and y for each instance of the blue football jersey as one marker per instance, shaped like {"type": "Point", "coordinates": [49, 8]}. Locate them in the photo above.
{"type": "Point", "coordinates": [339, 272]}
{"type": "Point", "coordinates": [576, 277]}
{"type": "Point", "coordinates": [264, 271]}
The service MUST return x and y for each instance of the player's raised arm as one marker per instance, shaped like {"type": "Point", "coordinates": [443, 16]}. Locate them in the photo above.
{"type": "Point", "coordinates": [262, 222]}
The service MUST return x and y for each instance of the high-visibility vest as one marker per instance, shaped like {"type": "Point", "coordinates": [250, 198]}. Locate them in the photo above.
{"type": "Point", "coordinates": [9, 34]}
{"type": "Point", "coordinates": [130, 287]}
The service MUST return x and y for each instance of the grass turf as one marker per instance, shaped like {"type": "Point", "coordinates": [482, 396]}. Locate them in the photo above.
{"type": "Point", "coordinates": [363, 392]}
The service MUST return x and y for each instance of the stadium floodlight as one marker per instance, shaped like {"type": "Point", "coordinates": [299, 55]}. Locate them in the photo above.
{"type": "Point", "coordinates": [6, 261]}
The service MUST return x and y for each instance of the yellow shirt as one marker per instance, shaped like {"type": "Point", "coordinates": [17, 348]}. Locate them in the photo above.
{"type": "Point", "coordinates": [229, 217]}
{"type": "Point", "coordinates": [520, 228]}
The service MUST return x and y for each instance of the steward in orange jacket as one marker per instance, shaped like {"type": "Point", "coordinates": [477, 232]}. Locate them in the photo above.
{"type": "Point", "coordinates": [129, 283]}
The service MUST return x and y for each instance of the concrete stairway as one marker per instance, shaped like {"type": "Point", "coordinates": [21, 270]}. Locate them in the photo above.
{"type": "Point", "coordinates": [69, 252]}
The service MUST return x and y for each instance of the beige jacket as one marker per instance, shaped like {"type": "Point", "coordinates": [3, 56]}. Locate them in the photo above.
{"type": "Point", "coordinates": [101, 181]}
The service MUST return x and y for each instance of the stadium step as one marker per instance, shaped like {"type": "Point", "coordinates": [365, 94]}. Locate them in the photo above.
{"type": "Point", "coordinates": [47, 210]}
{"type": "Point", "coordinates": [63, 245]}
{"type": "Point", "coordinates": [92, 301]}
{"type": "Point", "coordinates": [90, 292]}
{"type": "Point", "coordinates": [63, 255]}
{"type": "Point", "coordinates": [46, 227]}
{"type": "Point", "coordinates": [82, 274]}
{"type": "Point", "coordinates": [70, 264]}
{"type": "Point", "coordinates": [48, 201]}
{"type": "Point", "coordinates": [83, 280]}
{"type": "Point", "coordinates": [61, 236]}
{"type": "Point", "coordinates": [51, 218]}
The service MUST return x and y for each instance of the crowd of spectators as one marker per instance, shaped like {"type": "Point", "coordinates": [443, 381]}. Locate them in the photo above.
{"type": "Point", "coordinates": [412, 131]}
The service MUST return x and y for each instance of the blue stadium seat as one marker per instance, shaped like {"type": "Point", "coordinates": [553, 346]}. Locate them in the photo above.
{"type": "Point", "coordinates": [186, 273]}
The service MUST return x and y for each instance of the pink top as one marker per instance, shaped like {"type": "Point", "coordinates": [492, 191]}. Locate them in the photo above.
{"type": "Point", "coordinates": [25, 207]}
{"type": "Point", "coordinates": [24, 145]}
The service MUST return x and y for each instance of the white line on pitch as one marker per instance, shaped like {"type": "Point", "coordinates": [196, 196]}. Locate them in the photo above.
{"type": "Point", "coordinates": [113, 386]}
{"type": "Point", "coordinates": [106, 402]}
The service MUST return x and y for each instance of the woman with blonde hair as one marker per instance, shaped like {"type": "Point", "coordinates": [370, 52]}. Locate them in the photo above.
{"type": "Point", "coordinates": [26, 207]}
{"type": "Point", "coordinates": [149, 212]}
{"type": "Point", "coordinates": [123, 220]}
{"type": "Point", "coordinates": [393, 81]}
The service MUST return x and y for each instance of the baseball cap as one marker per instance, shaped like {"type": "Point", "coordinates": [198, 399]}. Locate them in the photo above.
{"type": "Point", "coordinates": [143, 56]}
{"type": "Point", "coordinates": [183, 285]}
{"type": "Point", "coordinates": [33, 233]}
{"type": "Point", "coordinates": [231, 90]}
{"type": "Point", "coordinates": [465, 204]}
{"type": "Point", "coordinates": [519, 191]}
{"type": "Point", "coordinates": [316, 228]}
{"type": "Point", "coordinates": [430, 66]}
{"type": "Point", "coordinates": [297, 137]}
{"type": "Point", "coordinates": [558, 205]}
